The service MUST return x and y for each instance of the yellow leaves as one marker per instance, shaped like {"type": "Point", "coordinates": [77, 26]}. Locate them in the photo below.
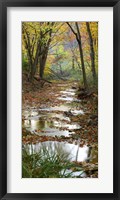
{"type": "Point", "coordinates": [62, 42]}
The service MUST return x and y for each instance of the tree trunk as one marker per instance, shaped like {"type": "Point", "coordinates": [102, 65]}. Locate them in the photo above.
{"type": "Point", "coordinates": [78, 38]}
{"type": "Point", "coordinates": [73, 65]}
{"type": "Point", "coordinates": [61, 72]}
{"type": "Point", "coordinates": [92, 53]}
{"type": "Point", "coordinates": [43, 59]}
{"type": "Point", "coordinates": [32, 60]}
{"type": "Point", "coordinates": [81, 55]}
{"type": "Point", "coordinates": [44, 52]}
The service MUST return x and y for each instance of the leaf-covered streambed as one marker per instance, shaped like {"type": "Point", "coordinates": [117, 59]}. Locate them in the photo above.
{"type": "Point", "coordinates": [56, 121]}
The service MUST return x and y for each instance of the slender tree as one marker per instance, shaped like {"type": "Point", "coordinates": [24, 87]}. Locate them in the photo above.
{"type": "Point", "coordinates": [78, 38]}
{"type": "Point", "coordinates": [44, 47]}
{"type": "Point", "coordinates": [32, 42]}
{"type": "Point", "coordinates": [92, 53]}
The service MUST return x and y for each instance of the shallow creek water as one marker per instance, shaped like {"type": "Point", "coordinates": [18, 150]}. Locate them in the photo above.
{"type": "Point", "coordinates": [69, 151]}
{"type": "Point", "coordinates": [73, 152]}
{"type": "Point", "coordinates": [55, 121]}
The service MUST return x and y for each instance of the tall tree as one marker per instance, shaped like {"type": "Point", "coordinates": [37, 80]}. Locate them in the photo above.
{"type": "Point", "coordinates": [31, 43]}
{"type": "Point", "coordinates": [92, 53]}
{"type": "Point", "coordinates": [44, 46]}
{"type": "Point", "coordinates": [78, 38]}
{"type": "Point", "coordinates": [37, 38]}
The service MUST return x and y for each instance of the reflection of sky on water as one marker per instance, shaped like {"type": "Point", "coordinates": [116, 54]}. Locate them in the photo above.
{"type": "Point", "coordinates": [66, 125]}
{"type": "Point", "coordinates": [68, 93]}
{"type": "Point", "coordinates": [74, 174]}
{"type": "Point", "coordinates": [73, 152]}
{"type": "Point", "coordinates": [56, 108]}
{"type": "Point", "coordinates": [47, 128]}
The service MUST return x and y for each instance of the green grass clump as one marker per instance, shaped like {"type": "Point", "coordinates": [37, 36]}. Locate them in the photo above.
{"type": "Point", "coordinates": [46, 164]}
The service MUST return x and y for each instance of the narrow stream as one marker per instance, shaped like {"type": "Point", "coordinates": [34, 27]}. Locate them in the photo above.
{"type": "Point", "coordinates": [55, 121]}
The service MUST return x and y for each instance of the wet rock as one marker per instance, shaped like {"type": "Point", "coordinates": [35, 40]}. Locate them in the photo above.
{"type": "Point", "coordinates": [84, 94]}
{"type": "Point", "coordinates": [69, 113]}
{"type": "Point", "coordinates": [91, 122]}
{"type": "Point", "coordinates": [73, 87]}
{"type": "Point", "coordinates": [75, 136]}
{"type": "Point", "coordinates": [93, 116]}
{"type": "Point", "coordinates": [25, 132]}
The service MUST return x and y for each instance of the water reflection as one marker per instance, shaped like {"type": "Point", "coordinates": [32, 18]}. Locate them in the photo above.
{"type": "Point", "coordinates": [48, 128]}
{"type": "Point", "coordinates": [74, 152]}
{"type": "Point", "coordinates": [67, 98]}
{"type": "Point", "coordinates": [77, 112]}
{"type": "Point", "coordinates": [69, 93]}
{"type": "Point", "coordinates": [63, 108]}
{"type": "Point", "coordinates": [56, 108]}
{"type": "Point", "coordinates": [49, 121]}
{"type": "Point", "coordinates": [68, 126]}
{"type": "Point", "coordinates": [74, 174]}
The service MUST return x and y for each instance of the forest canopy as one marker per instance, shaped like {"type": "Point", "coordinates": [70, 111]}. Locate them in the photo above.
{"type": "Point", "coordinates": [60, 50]}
